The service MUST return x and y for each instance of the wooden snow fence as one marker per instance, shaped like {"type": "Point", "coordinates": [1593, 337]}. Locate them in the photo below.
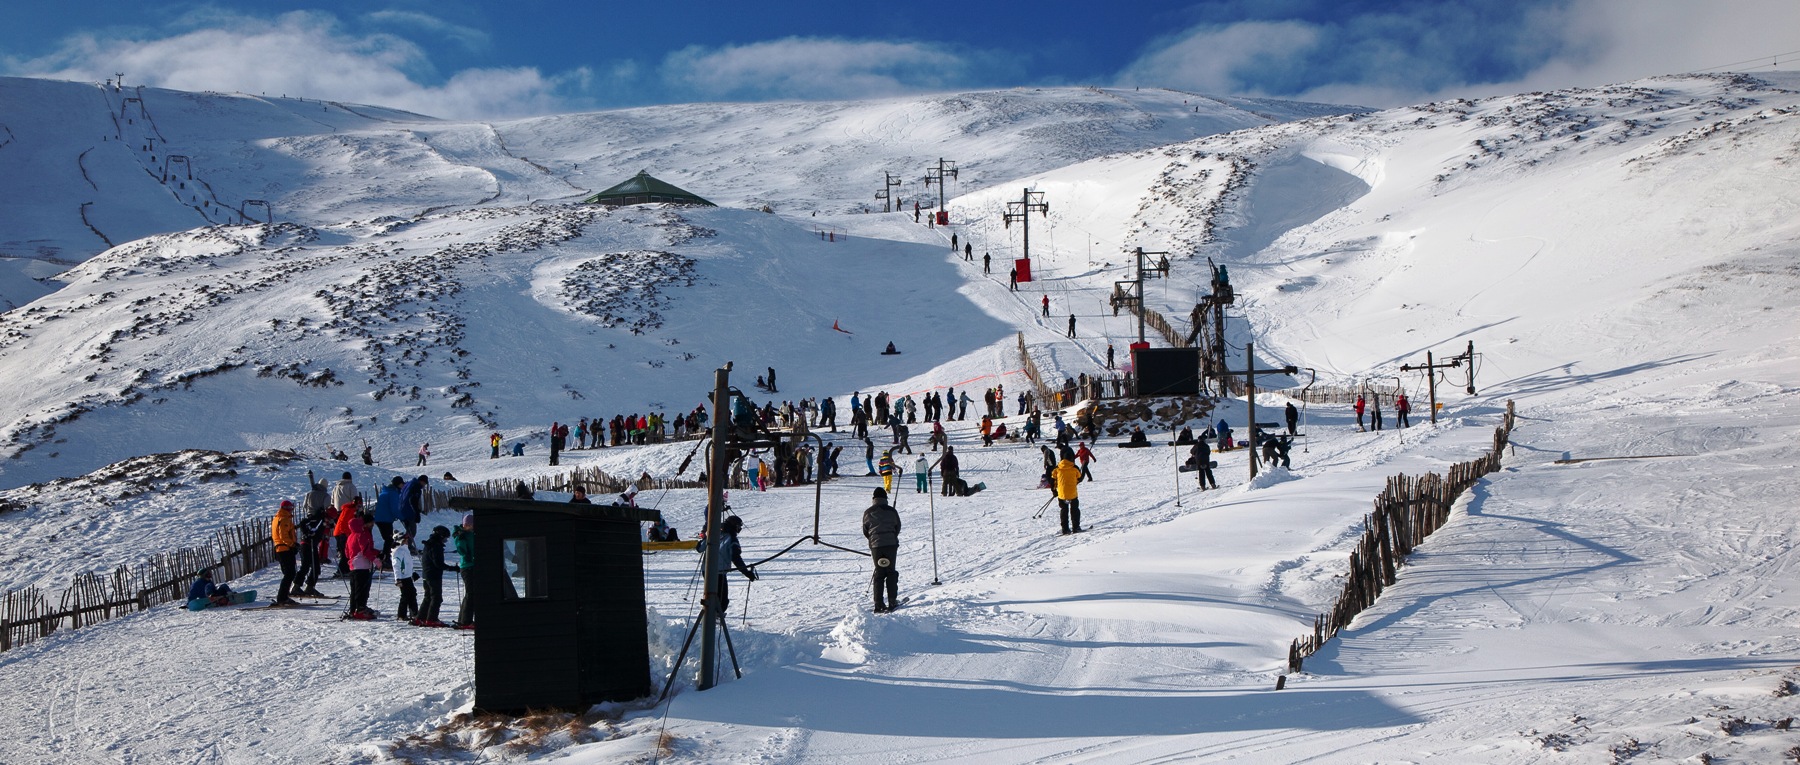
{"type": "Point", "coordinates": [1406, 512]}
{"type": "Point", "coordinates": [26, 615]}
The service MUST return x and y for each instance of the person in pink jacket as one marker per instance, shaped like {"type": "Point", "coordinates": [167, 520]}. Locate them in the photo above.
{"type": "Point", "coordinates": [360, 549]}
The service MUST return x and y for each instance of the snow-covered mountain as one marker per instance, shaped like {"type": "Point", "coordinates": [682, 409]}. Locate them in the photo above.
{"type": "Point", "coordinates": [1622, 258]}
{"type": "Point", "coordinates": [89, 166]}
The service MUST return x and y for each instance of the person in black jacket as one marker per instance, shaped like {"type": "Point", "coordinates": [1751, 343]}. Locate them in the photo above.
{"type": "Point", "coordinates": [951, 472]}
{"type": "Point", "coordinates": [881, 526]}
{"type": "Point", "coordinates": [313, 530]}
{"type": "Point", "coordinates": [431, 570]}
{"type": "Point", "coordinates": [1201, 455]}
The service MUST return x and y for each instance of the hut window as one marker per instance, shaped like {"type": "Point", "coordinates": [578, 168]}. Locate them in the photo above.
{"type": "Point", "coordinates": [526, 568]}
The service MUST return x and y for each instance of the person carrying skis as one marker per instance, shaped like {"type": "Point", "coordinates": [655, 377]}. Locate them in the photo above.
{"type": "Point", "coordinates": [287, 545]}
{"type": "Point", "coordinates": [1064, 478]}
{"type": "Point", "coordinates": [1083, 456]}
{"type": "Point", "coordinates": [431, 570]}
{"type": "Point", "coordinates": [881, 526]}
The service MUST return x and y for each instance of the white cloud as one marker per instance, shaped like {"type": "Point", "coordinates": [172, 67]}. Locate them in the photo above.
{"type": "Point", "coordinates": [1389, 60]}
{"type": "Point", "coordinates": [305, 54]}
{"type": "Point", "coordinates": [815, 68]}
{"type": "Point", "coordinates": [468, 37]}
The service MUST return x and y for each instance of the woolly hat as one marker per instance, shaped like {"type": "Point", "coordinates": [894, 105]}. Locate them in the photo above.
{"type": "Point", "coordinates": [440, 531]}
{"type": "Point", "coordinates": [287, 504]}
{"type": "Point", "coordinates": [880, 493]}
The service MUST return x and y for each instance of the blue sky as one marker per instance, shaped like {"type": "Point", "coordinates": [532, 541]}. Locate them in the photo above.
{"type": "Point", "coordinates": [461, 58]}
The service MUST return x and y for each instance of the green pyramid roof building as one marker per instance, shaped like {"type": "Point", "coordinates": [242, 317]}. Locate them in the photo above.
{"type": "Point", "coordinates": [642, 189]}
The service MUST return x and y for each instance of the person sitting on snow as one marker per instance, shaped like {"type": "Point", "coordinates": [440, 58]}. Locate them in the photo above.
{"type": "Point", "coordinates": [218, 594]}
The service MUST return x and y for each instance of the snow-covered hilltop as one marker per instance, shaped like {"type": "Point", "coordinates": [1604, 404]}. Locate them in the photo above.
{"type": "Point", "coordinates": [1622, 258]}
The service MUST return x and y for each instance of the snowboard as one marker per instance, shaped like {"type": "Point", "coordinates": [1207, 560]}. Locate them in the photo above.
{"type": "Point", "coordinates": [237, 599]}
{"type": "Point", "coordinates": [973, 490]}
{"type": "Point", "coordinates": [1192, 468]}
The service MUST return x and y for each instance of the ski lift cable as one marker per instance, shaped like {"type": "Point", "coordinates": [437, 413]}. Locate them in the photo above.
{"type": "Point", "coordinates": [1773, 57]}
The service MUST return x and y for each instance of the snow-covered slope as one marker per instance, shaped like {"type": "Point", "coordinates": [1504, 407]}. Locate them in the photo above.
{"type": "Point", "coordinates": [1622, 258]}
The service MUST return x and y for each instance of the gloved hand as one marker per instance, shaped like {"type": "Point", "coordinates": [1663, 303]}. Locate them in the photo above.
{"type": "Point", "coordinates": [751, 573]}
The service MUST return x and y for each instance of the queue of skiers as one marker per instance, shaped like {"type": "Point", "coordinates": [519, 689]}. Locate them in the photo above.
{"type": "Point", "coordinates": [336, 524]}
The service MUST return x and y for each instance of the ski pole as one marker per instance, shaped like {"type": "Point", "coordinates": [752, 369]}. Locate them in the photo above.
{"type": "Point", "coordinates": [1045, 506]}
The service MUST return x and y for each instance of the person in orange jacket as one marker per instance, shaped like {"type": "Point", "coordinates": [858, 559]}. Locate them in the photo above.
{"type": "Point", "coordinates": [1083, 456]}
{"type": "Point", "coordinates": [287, 545]}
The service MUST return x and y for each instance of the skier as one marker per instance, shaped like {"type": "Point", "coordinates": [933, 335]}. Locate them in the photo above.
{"type": "Point", "coordinates": [1046, 306]}
{"type": "Point", "coordinates": [340, 530]}
{"type": "Point", "coordinates": [287, 545]}
{"type": "Point", "coordinates": [881, 526]}
{"type": "Point", "coordinates": [869, 454]}
{"type": "Point", "coordinates": [987, 263]}
{"type": "Point", "coordinates": [962, 413]}
{"type": "Point", "coordinates": [1375, 415]}
{"type": "Point", "coordinates": [953, 243]}
{"type": "Point", "coordinates": [405, 573]}
{"type": "Point", "coordinates": [424, 453]}
{"type": "Point", "coordinates": [313, 531]}
{"type": "Point", "coordinates": [494, 442]}
{"type": "Point", "coordinates": [360, 548]}
{"type": "Point", "coordinates": [368, 457]}
{"type": "Point", "coordinates": [888, 470]}
{"type": "Point", "coordinates": [412, 504]}
{"type": "Point", "coordinates": [387, 512]}
{"type": "Point", "coordinates": [1013, 280]}
{"type": "Point", "coordinates": [1071, 324]}
{"type": "Point", "coordinates": [921, 473]}
{"type": "Point", "coordinates": [1109, 356]}
{"type": "Point", "coordinates": [1064, 478]}
{"type": "Point", "coordinates": [1293, 419]}
{"type": "Point", "coordinates": [464, 536]}
{"type": "Point", "coordinates": [968, 251]}
{"type": "Point", "coordinates": [772, 388]}
{"type": "Point", "coordinates": [949, 471]}
{"type": "Point", "coordinates": [1083, 456]}
{"type": "Point", "coordinates": [728, 549]}
{"type": "Point", "coordinates": [431, 569]}
{"type": "Point", "coordinates": [1402, 408]}
{"type": "Point", "coordinates": [1359, 412]}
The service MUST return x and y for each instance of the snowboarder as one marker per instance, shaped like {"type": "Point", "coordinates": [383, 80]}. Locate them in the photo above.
{"type": "Point", "coordinates": [881, 526]}
{"type": "Point", "coordinates": [203, 587]}
{"type": "Point", "coordinates": [1064, 478]}
{"type": "Point", "coordinates": [287, 545]}
{"type": "Point", "coordinates": [1200, 455]}
{"type": "Point", "coordinates": [1293, 419]}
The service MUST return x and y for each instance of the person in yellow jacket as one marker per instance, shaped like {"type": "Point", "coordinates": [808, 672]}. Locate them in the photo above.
{"type": "Point", "coordinates": [888, 470]}
{"type": "Point", "coordinates": [287, 545]}
{"type": "Point", "coordinates": [1064, 478]}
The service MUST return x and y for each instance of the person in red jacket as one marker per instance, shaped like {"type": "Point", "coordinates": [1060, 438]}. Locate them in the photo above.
{"type": "Point", "coordinates": [1083, 456]}
{"type": "Point", "coordinates": [1360, 405]}
{"type": "Point", "coordinates": [1402, 407]}
{"type": "Point", "coordinates": [341, 532]}
{"type": "Point", "coordinates": [360, 548]}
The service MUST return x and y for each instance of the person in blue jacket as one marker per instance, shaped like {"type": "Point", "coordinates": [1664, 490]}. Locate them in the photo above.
{"type": "Point", "coordinates": [414, 505]}
{"type": "Point", "coordinates": [203, 587]}
{"type": "Point", "coordinates": [387, 511]}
